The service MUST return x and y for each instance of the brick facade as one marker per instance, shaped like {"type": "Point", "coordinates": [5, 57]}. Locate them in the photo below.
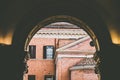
{"type": "Point", "coordinates": [87, 74]}
{"type": "Point", "coordinates": [59, 66]}
{"type": "Point", "coordinates": [39, 66]}
{"type": "Point", "coordinates": [63, 66]}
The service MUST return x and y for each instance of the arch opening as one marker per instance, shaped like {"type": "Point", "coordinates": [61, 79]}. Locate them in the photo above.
{"type": "Point", "coordinates": [64, 36]}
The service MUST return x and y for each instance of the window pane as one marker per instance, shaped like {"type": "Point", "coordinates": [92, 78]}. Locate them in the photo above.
{"type": "Point", "coordinates": [48, 52]}
{"type": "Point", "coordinates": [31, 77]}
{"type": "Point", "coordinates": [49, 77]}
{"type": "Point", "coordinates": [32, 50]}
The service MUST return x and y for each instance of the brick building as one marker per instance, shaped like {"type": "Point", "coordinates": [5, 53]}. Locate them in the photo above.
{"type": "Point", "coordinates": [84, 70]}
{"type": "Point", "coordinates": [61, 53]}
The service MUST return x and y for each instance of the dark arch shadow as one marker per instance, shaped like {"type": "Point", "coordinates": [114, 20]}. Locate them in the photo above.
{"type": "Point", "coordinates": [80, 10]}
{"type": "Point", "coordinates": [62, 18]}
{"type": "Point", "coordinates": [85, 12]}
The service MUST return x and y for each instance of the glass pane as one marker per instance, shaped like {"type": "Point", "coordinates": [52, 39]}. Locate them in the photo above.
{"type": "Point", "coordinates": [49, 78]}
{"type": "Point", "coordinates": [32, 50]}
{"type": "Point", "coordinates": [49, 51]}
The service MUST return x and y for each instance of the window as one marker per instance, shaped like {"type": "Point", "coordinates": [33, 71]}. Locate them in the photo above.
{"type": "Point", "coordinates": [48, 52]}
{"type": "Point", "coordinates": [49, 77]}
{"type": "Point", "coordinates": [32, 51]}
{"type": "Point", "coordinates": [31, 77]}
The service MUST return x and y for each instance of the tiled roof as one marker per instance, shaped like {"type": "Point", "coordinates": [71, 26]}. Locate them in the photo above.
{"type": "Point", "coordinates": [61, 33]}
{"type": "Point", "coordinates": [62, 30]}
{"type": "Point", "coordinates": [86, 61]}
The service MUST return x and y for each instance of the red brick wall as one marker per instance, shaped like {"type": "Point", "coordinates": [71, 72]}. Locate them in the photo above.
{"type": "Point", "coordinates": [63, 66]}
{"type": "Point", "coordinates": [39, 66]}
{"type": "Point", "coordinates": [40, 42]}
{"type": "Point", "coordinates": [63, 42]}
{"type": "Point", "coordinates": [77, 75]}
{"type": "Point", "coordinates": [83, 75]}
{"type": "Point", "coordinates": [84, 46]}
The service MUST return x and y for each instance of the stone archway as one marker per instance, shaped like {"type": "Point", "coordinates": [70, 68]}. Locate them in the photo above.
{"type": "Point", "coordinates": [63, 18]}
